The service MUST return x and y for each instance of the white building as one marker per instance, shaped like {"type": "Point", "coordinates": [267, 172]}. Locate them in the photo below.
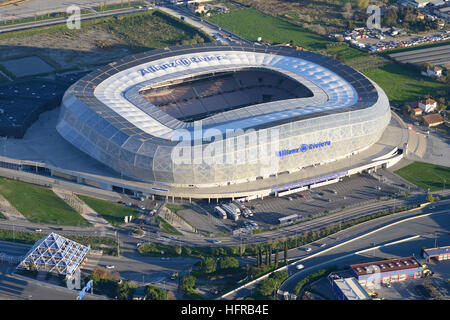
{"type": "Point", "coordinates": [434, 72]}
{"type": "Point", "coordinates": [428, 105]}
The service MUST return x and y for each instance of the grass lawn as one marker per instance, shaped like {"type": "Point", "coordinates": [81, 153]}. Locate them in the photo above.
{"type": "Point", "coordinates": [39, 204]}
{"type": "Point", "coordinates": [176, 207]}
{"type": "Point", "coordinates": [251, 24]}
{"type": "Point", "coordinates": [426, 175]}
{"type": "Point", "coordinates": [112, 212]}
{"type": "Point", "coordinates": [276, 30]}
{"type": "Point", "coordinates": [402, 84]}
{"type": "Point", "coordinates": [167, 227]}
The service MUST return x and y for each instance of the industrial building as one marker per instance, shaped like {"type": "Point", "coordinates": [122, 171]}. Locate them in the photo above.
{"type": "Point", "coordinates": [387, 271]}
{"type": "Point", "coordinates": [129, 114]}
{"type": "Point", "coordinates": [349, 289]}
{"type": "Point", "coordinates": [439, 253]}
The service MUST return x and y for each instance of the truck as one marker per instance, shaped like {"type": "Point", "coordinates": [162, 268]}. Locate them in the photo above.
{"type": "Point", "coordinates": [231, 212]}
{"type": "Point", "coordinates": [220, 212]}
{"type": "Point", "coordinates": [235, 207]}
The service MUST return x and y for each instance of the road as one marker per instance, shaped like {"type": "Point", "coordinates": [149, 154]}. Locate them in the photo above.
{"type": "Point", "coordinates": [128, 241]}
{"type": "Point", "coordinates": [55, 21]}
{"type": "Point", "coordinates": [425, 227]}
{"type": "Point", "coordinates": [39, 7]}
{"type": "Point", "coordinates": [18, 288]}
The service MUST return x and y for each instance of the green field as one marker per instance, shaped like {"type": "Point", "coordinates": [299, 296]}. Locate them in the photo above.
{"type": "Point", "coordinates": [275, 31]}
{"type": "Point", "coordinates": [426, 175]}
{"type": "Point", "coordinates": [167, 227]}
{"type": "Point", "coordinates": [251, 24]}
{"type": "Point", "coordinates": [112, 212]}
{"type": "Point", "coordinates": [39, 204]}
{"type": "Point", "coordinates": [404, 84]}
{"type": "Point", "coordinates": [176, 207]}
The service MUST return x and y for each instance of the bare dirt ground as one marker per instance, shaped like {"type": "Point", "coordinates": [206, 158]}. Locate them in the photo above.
{"type": "Point", "coordinates": [65, 50]}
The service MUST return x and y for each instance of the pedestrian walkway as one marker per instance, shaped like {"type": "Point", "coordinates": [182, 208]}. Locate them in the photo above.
{"type": "Point", "coordinates": [78, 205]}
{"type": "Point", "coordinates": [10, 212]}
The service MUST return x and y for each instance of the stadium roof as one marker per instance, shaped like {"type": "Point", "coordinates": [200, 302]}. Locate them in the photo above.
{"type": "Point", "coordinates": [55, 253]}
{"type": "Point", "coordinates": [113, 90]}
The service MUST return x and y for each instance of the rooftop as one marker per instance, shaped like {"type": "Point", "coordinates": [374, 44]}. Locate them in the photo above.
{"type": "Point", "coordinates": [351, 288]}
{"type": "Point", "coordinates": [437, 251]}
{"type": "Point", "coordinates": [386, 265]}
{"type": "Point", "coordinates": [433, 118]}
{"type": "Point", "coordinates": [54, 253]}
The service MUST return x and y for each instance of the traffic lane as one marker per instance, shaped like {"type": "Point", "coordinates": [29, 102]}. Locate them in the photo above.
{"type": "Point", "coordinates": [14, 248]}
{"type": "Point", "coordinates": [421, 226]}
{"type": "Point", "coordinates": [441, 221]}
{"type": "Point", "coordinates": [148, 269]}
{"type": "Point", "coordinates": [15, 288]}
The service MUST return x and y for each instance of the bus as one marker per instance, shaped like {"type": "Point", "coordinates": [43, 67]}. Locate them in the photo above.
{"type": "Point", "coordinates": [231, 212]}
{"type": "Point", "coordinates": [220, 212]}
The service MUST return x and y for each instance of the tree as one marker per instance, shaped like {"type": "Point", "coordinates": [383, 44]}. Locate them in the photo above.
{"type": "Point", "coordinates": [209, 265]}
{"type": "Point", "coordinates": [270, 254]}
{"type": "Point", "coordinates": [276, 258]}
{"type": "Point", "coordinates": [347, 10]}
{"type": "Point", "coordinates": [127, 290]}
{"type": "Point", "coordinates": [228, 263]}
{"type": "Point", "coordinates": [285, 251]}
{"type": "Point", "coordinates": [155, 293]}
{"type": "Point", "coordinates": [362, 4]}
{"type": "Point", "coordinates": [258, 258]}
{"type": "Point", "coordinates": [187, 282]}
{"type": "Point", "coordinates": [267, 287]}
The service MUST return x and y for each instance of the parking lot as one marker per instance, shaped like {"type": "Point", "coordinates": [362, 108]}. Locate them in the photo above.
{"type": "Point", "coordinates": [351, 191]}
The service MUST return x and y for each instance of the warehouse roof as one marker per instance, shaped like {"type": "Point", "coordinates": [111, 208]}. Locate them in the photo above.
{"type": "Point", "coordinates": [351, 289]}
{"type": "Point", "coordinates": [386, 265]}
{"type": "Point", "coordinates": [433, 252]}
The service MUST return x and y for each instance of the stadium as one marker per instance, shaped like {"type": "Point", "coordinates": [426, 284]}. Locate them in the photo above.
{"type": "Point", "coordinates": [295, 110]}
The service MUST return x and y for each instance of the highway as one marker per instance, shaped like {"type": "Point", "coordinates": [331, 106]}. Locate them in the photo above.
{"type": "Point", "coordinates": [56, 21]}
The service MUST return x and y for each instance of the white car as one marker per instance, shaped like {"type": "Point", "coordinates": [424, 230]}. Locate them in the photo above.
{"type": "Point", "coordinates": [110, 266]}
{"type": "Point", "coordinates": [323, 245]}
{"type": "Point", "coordinates": [308, 249]}
{"type": "Point", "coordinates": [38, 230]}
{"type": "Point", "coordinates": [299, 266]}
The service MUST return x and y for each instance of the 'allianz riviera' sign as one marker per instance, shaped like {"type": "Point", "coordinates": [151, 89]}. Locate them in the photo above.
{"type": "Point", "coordinates": [186, 62]}
{"type": "Point", "coordinates": [303, 148]}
